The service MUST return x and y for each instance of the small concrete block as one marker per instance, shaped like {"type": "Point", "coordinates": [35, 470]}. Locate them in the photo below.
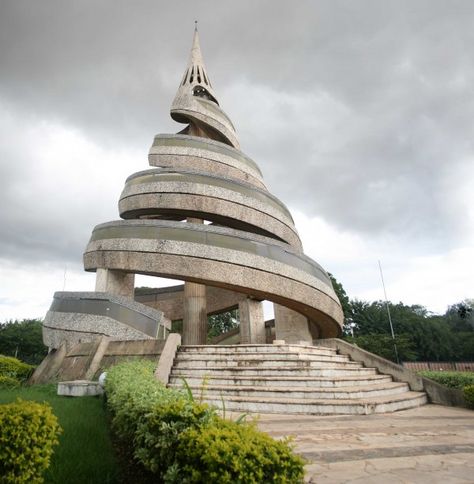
{"type": "Point", "coordinates": [79, 388]}
{"type": "Point", "coordinates": [279, 342]}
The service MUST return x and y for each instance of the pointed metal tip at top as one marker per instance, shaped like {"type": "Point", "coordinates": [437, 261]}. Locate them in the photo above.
{"type": "Point", "coordinates": [195, 26]}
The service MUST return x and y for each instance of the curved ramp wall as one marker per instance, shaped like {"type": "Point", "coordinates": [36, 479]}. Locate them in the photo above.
{"type": "Point", "coordinates": [78, 317]}
{"type": "Point", "coordinates": [218, 256]}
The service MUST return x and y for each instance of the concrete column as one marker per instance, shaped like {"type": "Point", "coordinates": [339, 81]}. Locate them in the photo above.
{"type": "Point", "coordinates": [252, 323]}
{"type": "Point", "coordinates": [194, 310]}
{"type": "Point", "coordinates": [116, 282]}
{"type": "Point", "coordinates": [291, 326]}
{"type": "Point", "coordinates": [195, 314]}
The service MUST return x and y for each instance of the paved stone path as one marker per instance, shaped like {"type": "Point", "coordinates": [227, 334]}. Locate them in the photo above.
{"type": "Point", "coordinates": [429, 444]}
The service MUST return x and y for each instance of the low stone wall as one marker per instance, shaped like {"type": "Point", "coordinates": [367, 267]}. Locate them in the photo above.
{"type": "Point", "coordinates": [436, 393]}
{"type": "Point", "coordinates": [85, 361]}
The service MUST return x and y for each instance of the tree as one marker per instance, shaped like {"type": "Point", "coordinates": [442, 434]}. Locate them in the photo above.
{"type": "Point", "coordinates": [24, 340]}
{"type": "Point", "coordinates": [460, 316]}
{"type": "Point", "coordinates": [222, 323]}
{"type": "Point", "coordinates": [344, 300]}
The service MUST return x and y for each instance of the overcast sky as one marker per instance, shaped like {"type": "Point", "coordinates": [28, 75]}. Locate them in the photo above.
{"type": "Point", "coordinates": [360, 115]}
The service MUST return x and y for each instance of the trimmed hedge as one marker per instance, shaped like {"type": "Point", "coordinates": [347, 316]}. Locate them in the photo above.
{"type": "Point", "coordinates": [450, 379]}
{"type": "Point", "coordinates": [226, 452]}
{"type": "Point", "coordinates": [184, 441]}
{"type": "Point", "coordinates": [468, 391]}
{"type": "Point", "coordinates": [14, 368]}
{"type": "Point", "coordinates": [28, 433]}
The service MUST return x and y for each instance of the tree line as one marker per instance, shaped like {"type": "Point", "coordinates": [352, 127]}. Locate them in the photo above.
{"type": "Point", "coordinates": [419, 334]}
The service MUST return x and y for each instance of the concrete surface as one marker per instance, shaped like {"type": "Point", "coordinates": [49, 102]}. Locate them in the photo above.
{"type": "Point", "coordinates": [429, 444]}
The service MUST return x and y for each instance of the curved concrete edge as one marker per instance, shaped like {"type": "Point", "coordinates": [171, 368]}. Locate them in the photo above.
{"type": "Point", "coordinates": [307, 300]}
{"type": "Point", "coordinates": [436, 393]}
{"type": "Point", "coordinates": [237, 216]}
{"type": "Point", "coordinates": [169, 180]}
{"type": "Point", "coordinates": [210, 114]}
{"type": "Point", "coordinates": [77, 317]}
{"type": "Point", "coordinates": [213, 243]}
{"type": "Point", "coordinates": [213, 150]}
{"type": "Point", "coordinates": [162, 158]}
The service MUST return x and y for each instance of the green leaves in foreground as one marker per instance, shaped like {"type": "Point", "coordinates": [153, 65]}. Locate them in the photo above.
{"type": "Point", "coordinates": [184, 441]}
{"type": "Point", "coordinates": [28, 433]}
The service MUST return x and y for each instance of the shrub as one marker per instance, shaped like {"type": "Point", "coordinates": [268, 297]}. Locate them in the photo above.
{"type": "Point", "coordinates": [184, 441]}
{"type": "Point", "coordinates": [28, 433]}
{"type": "Point", "coordinates": [468, 391]}
{"type": "Point", "coordinates": [8, 382]}
{"type": "Point", "coordinates": [226, 452]}
{"type": "Point", "coordinates": [450, 379]}
{"type": "Point", "coordinates": [14, 368]}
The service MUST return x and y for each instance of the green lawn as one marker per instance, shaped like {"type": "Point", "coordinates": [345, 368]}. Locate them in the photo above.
{"type": "Point", "coordinates": [85, 454]}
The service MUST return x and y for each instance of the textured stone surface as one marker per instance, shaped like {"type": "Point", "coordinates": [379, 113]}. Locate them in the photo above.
{"type": "Point", "coordinates": [252, 322]}
{"type": "Point", "coordinates": [115, 282]}
{"type": "Point", "coordinates": [251, 380]}
{"type": "Point", "coordinates": [429, 444]}
{"type": "Point", "coordinates": [76, 327]}
{"type": "Point", "coordinates": [291, 326]}
{"type": "Point", "coordinates": [79, 388]}
{"type": "Point", "coordinates": [204, 154]}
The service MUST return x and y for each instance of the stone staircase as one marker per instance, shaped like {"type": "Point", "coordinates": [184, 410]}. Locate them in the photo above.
{"type": "Point", "coordinates": [292, 379]}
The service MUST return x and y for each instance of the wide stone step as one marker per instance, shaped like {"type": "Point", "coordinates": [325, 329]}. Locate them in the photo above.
{"type": "Point", "coordinates": [214, 391]}
{"type": "Point", "coordinates": [242, 358]}
{"type": "Point", "coordinates": [263, 363]}
{"type": "Point", "coordinates": [334, 371]}
{"type": "Point", "coordinates": [239, 349]}
{"type": "Point", "coordinates": [283, 381]}
{"type": "Point", "coordinates": [366, 406]}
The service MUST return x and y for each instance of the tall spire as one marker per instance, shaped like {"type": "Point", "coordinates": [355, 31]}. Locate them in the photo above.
{"type": "Point", "coordinates": [195, 78]}
{"type": "Point", "coordinates": [196, 102]}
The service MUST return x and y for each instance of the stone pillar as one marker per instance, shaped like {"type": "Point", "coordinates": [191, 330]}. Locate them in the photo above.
{"type": "Point", "coordinates": [252, 323]}
{"type": "Point", "coordinates": [291, 326]}
{"type": "Point", "coordinates": [195, 314]}
{"type": "Point", "coordinates": [115, 282]}
{"type": "Point", "coordinates": [194, 310]}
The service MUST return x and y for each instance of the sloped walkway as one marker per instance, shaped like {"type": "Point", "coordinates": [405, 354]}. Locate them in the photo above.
{"type": "Point", "coordinates": [429, 444]}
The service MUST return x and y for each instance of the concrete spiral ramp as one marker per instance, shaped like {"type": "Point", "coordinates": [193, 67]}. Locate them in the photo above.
{"type": "Point", "coordinates": [202, 214]}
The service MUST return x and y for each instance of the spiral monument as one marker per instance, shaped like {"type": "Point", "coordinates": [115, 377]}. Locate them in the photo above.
{"type": "Point", "coordinates": [202, 214]}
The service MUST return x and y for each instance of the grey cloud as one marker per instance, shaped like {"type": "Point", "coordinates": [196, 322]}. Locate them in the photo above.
{"type": "Point", "coordinates": [377, 99]}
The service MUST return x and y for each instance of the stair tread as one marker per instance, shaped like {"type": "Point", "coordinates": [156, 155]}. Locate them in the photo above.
{"type": "Point", "coordinates": [289, 378]}
{"type": "Point", "coordinates": [289, 368]}
{"type": "Point", "coordinates": [351, 389]}
{"type": "Point", "coordinates": [398, 397]}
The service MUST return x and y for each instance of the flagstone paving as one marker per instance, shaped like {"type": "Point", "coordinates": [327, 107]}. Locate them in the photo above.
{"type": "Point", "coordinates": [432, 444]}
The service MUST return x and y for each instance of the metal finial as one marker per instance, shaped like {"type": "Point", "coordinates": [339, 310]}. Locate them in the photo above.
{"type": "Point", "coordinates": [195, 25]}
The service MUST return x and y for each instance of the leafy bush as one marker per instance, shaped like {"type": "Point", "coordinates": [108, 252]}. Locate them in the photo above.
{"type": "Point", "coordinates": [14, 368]}
{"type": "Point", "coordinates": [468, 391]}
{"type": "Point", "coordinates": [8, 382]}
{"type": "Point", "coordinates": [184, 441]}
{"type": "Point", "coordinates": [227, 452]}
{"type": "Point", "coordinates": [450, 379]}
{"type": "Point", "coordinates": [28, 433]}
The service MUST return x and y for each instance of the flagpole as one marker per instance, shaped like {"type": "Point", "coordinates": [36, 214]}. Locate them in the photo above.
{"type": "Point", "coordinates": [388, 312]}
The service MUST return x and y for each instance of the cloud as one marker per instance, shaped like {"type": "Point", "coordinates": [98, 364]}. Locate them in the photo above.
{"type": "Point", "coordinates": [360, 114]}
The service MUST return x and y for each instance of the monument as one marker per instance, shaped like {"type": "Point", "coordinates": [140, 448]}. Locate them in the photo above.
{"type": "Point", "coordinates": [203, 215]}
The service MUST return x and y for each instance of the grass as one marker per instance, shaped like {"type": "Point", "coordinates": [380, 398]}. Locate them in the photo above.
{"type": "Point", "coordinates": [85, 453]}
